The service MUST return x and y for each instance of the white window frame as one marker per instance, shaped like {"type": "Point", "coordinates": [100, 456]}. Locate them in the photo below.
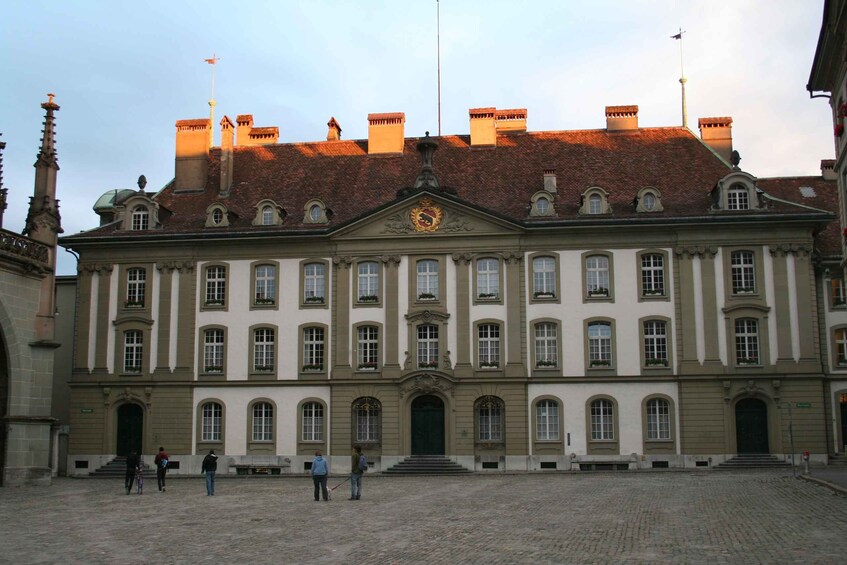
{"type": "Point", "coordinates": [655, 341]}
{"type": "Point", "coordinates": [210, 423]}
{"type": "Point", "coordinates": [547, 420]}
{"type": "Point", "coordinates": [314, 349]}
{"type": "Point", "coordinates": [544, 276]}
{"type": "Point", "coordinates": [600, 344]}
{"type": "Point", "coordinates": [136, 286]}
{"type": "Point", "coordinates": [653, 274]}
{"type": "Point", "coordinates": [314, 284]}
{"type": "Point", "coordinates": [265, 286]}
{"type": "Point", "coordinates": [743, 271]}
{"type": "Point", "coordinates": [368, 283]}
{"type": "Point", "coordinates": [488, 278]}
{"type": "Point", "coordinates": [427, 345]}
{"type": "Point", "coordinates": [368, 414]}
{"type": "Point", "coordinates": [264, 341]}
{"type": "Point", "coordinates": [597, 280]}
{"type": "Point", "coordinates": [215, 285]}
{"type": "Point", "coordinates": [427, 279]}
{"type": "Point", "coordinates": [214, 340]}
{"type": "Point", "coordinates": [489, 417]}
{"type": "Point", "coordinates": [546, 344]}
{"type": "Point", "coordinates": [140, 218]}
{"type": "Point", "coordinates": [367, 347]}
{"type": "Point", "coordinates": [489, 345]}
{"type": "Point", "coordinates": [263, 421]}
{"type": "Point", "coordinates": [747, 346]}
{"type": "Point", "coordinates": [602, 420]}
{"type": "Point", "coordinates": [313, 421]}
{"type": "Point", "coordinates": [658, 419]}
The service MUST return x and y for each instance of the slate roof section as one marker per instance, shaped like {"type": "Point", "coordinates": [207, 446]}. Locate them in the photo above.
{"type": "Point", "coordinates": [500, 179]}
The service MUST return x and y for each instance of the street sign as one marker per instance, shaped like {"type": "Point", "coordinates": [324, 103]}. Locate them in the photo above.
{"type": "Point", "coordinates": [87, 410]}
{"type": "Point", "coordinates": [804, 405]}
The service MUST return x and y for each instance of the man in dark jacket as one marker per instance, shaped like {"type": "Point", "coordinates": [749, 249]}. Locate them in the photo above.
{"type": "Point", "coordinates": [161, 467]}
{"type": "Point", "coordinates": [132, 461]}
{"type": "Point", "coordinates": [210, 466]}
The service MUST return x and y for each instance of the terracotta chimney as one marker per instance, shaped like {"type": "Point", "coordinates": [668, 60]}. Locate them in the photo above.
{"type": "Point", "coordinates": [245, 124]}
{"type": "Point", "coordinates": [828, 169]}
{"type": "Point", "coordinates": [227, 142]}
{"type": "Point", "coordinates": [334, 133]}
{"type": "Point", "coordinates": [192, 154]}
{"type": "Point", "coordinates": [511, 121]}
{"type": "Point", "coordinates": [385, 133]}
{"type": "Point", "coordinates": [483, 130]}
{"type": "Point", "coordinates": [622, 118]}
{"type": "Point", "coordinates": [717, 134]}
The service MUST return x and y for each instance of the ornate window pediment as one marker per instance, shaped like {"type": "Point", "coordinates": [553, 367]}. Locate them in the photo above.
{"type": "Point", "coordinates": [217, 216]}
{"type": "Point", "coordinates": [649, 200]}
{"type": "Point", "coordinates": [595, 201]}
{"type": "Point", "coordinates": [268, 213]}
{"type": "Point", "coordinates": [542, 205]}
{"type": "Point", "coordinates": [315, 212]}
{"type": "Point", "coordinates": [737, 192]}
{"type": "Point", "coordinates": [139, 212]}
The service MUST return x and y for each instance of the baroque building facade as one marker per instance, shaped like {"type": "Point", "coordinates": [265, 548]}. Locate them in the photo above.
{"type": "Point", "coordinates": [624, 297]}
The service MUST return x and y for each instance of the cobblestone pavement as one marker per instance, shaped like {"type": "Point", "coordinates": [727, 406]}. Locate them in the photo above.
{"type": "Point", "coordinates": [645, 517]}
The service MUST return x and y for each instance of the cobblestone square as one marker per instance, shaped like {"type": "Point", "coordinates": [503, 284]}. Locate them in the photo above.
{"type": "Point", "coordinates": [655, 517]}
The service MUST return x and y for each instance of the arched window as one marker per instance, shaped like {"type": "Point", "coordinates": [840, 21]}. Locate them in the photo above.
{"type": "Point", "coordinates": [427, 286]}
{"type": "Point", "coordinates": [267, 216]}
{"type": "Point", "coordinates": [313, 421]}
{"type": "Point", "coordinates": [544, 277]}
{"type": "Point", "coordinates": [263, 422]}
{"type": "Point", "coordinates": [738, 198]}
{"type": "Point", "coordinates": [140, 218]}
{"type": "Point", "coordinates": [136, 282]}
{"type": "Point", "coordinates": [217, 216]}
{"type": "Point", "coordinates": [747, 341]}
{"type": "Point", "coordinates": [263, 350]}
{"type": "Point", "coordinates": [546, 345]}
{"type": "Point", "coordinates": [428, 346]}
{"type": "Point", "coordinates": [600, 344]}
{"type": "Point", "coordinates": [658, 419]}
{"type": "Point", "coordinates": [313, 349]}
{"type": "Point", "coordinates": [210, 426]}
{"type": "Point", "coordinates": [489, 419]}
{"type": "Point", "coordinates": [367, 348]}
{"type": "Point", "coordinates": [315, 283]}
{"type": "Point", "coordinates": [489, 345]}
{"type": "Point", "coordinates": [213, 351]}
{"type": "Point", "coordinates": [655, 343]}
{"type": "Point", "coordinates": [597, 275]}
{"type": "Point", "coordinates": [595, 204]}
{"type": "Point", "coordinates": [547, 420]}
{"type": "Point", "coordinates": [602, 420]}
{"type": "Point", "coordinates": [367, 414]}
{"type": "Point", "coordinates": [488, 278]}
{"type": "Point", "coordinates": [265, 291]}
{"type": "Point", "coordinates": [743, 272]}
{"type": "Point", "coordinates": [368, 282]}
{"type": "Point", "coordinates": [652, 274]}
{"type": "Point", "coordinates": [133, 351]}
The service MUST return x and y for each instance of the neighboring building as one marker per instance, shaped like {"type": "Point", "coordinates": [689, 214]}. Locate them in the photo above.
{"type": "Point", "coordinates": [27, 326]}
{"type": "Point", "coordinates": [829, 77]}
{"type": "Point", "coordinates": [619, 297]}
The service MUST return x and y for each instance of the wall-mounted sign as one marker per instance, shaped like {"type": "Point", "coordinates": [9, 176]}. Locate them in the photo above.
{"type": "Point", "coordinates": [804, 405]}
{"type": "Point", "coordinates": [87, 410]}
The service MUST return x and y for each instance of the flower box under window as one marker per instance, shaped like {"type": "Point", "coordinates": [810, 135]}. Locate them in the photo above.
{"type": "Point", "coordinates": [214, 302]}
{"type": "Point", "coordinates": [312, 367]}
{"type": "Point", "coordinates": [487, 296]}
{"type": "Point", "coordinates": [654, 292]}
{"type": "Point", "coordinates": [134, 304]}
{"type": "Point", "coordinates": [213, 369]}
{"type": "Point", "coordinates": [367, 366]}
{"type": "Point", "coordinates": [600, 363]}
{"type": "Point", "coordinates": [841, 360]}
{"type": "Point", "coordinates": [263, 368]}
{"type": "Point", "coordinates": [656, 362]}
{"type": "Point", "coordinates": [428, 365]}
{"type": "Point", "coordinates": [838, 302]}
{"type": "Point", "coordinates": [132, 369]}
{"type": "Point", "coordinates": [748, 361]}
{"type": "Point", "coordinates": [314, 300]}
{"type": "Point", "coordinates": [369, 298]}
{"type": "Point", "coordinates": [489, 364]}
{"type": "Point", "coordinates": [265, 301]}
{"type": "Point", "coordinates": [598, 292]}
{"type": "Point", "coordinates": [543, 294]}
{"type": "Point", "coordinates": [426, 296]}
{"type": "Point", "coordinates": [545, 364]}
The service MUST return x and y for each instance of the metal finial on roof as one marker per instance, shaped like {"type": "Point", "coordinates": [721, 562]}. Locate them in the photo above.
{"type": "Point", "coordinates": [426, 178]}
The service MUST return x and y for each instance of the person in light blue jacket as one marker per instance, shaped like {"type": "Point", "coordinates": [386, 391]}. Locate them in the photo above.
{"type": "Point", "coordinates": [320, 472]}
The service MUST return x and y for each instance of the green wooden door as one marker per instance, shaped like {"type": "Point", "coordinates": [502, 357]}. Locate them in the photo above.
{"type": "Point", "coordinates": [130, 427]}
{"type": "Point", "coordinates": [751, 426]}
{"type": "Point", "coordinates": [427, 425]}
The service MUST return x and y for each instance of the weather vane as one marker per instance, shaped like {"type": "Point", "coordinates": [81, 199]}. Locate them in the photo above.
{"type": "Point", "coordinates": [212, 62]}
{"type": "Point", "coordinates": [682, 79]}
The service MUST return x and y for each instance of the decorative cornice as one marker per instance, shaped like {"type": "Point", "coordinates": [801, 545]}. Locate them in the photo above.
{"type": "Point", "coordinates": [783, 249]}
{"type": "Point", "coordinates": [702, 251]}
{"type": "Point", "coordinates": [342, 262]}
{"type": "Point", "coordinates": [462, 258]}
{"type": "Point", "coordinates": [99, 268]}
{"type": "Point", "coordinates": [513, 257]}
{"type": "Point", "coordinates": [179, 266]}
{"type": "Point", "coordinates": [391, 260]}
{"type": "Point", "coordinates": [427, 316]}
{"type": "Point", "coordinates": [427, 384]}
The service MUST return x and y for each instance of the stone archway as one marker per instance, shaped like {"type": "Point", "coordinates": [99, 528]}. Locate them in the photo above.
{"type": "Point", "coordinates": [751, 426]}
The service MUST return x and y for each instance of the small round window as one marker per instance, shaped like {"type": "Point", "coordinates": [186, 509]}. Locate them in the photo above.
{"type": "Point", "coordinates": [315, 213]}
{"type": "Point", "coordinates": [648, 202]}
{"type": "Point", "coordinates": [217, 216]}
{"type": "Point", "coordinates": [542, 205]}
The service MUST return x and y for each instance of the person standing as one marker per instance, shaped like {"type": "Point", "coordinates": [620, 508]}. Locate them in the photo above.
{"type": "Point", "coordinates": [161, 461]}
{"type": "Point", "coordinates": [132, 461]}
{"type": "Point", "coordinates": [356, 473]}
{"type": "Point", "coordinates": [320, 472]}
{"type": "Point", "coordinates": [210, 466]}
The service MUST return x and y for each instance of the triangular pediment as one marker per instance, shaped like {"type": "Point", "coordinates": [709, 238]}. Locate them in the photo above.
{"type": "Point", "coordinates": [427, 214]}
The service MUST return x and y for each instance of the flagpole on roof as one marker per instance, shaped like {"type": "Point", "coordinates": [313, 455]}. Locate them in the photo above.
{"type": "Point", "coordinates": [438, 46]}
{"type": "Point", "coordinates": [212, 62]}
{"type": "Point", "coordinates": [682, 79]}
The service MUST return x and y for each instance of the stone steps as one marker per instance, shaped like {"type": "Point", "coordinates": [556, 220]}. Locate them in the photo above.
{"type": "Point", "coordinates": [426, 465]}
{"type": "Point", "coordinates": [754, 461]}
{"type": "Point", "coordinates": [116, 469]}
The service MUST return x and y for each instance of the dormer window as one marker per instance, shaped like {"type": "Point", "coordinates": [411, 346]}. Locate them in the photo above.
{"type": "Point", "coordinates": [217, 216]}
{"type": "Point", "coordinates": [314, 212]}
{"type": "Point", "coordinates": [267, 216]}
{"type": "Point", "coordinates": [649, 200]}
{"type": "Point", "coordinates": [140, 218]}
{"type": "Point", "coordinates": [541, 204]}
{"type": "Point", "coordinates": [595, 201]}
{"type": "Point", "coordinates": [268, 213]}
{"type": "Point", "coordinates": [738, 198]}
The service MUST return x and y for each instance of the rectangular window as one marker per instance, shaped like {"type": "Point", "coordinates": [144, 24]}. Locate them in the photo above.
{"type": "Point", "coordinates": [837, 294]}
{"type": "Point", "coordinates": [215, 286]}
{"type": "Point", "coordinates": [544, 277]}
{"type": "Point", "coordinates": [140, 219]}
{"type": "Point", "coordinates": [263, 419]}
{"type": "Point", "coordinates": [263, 350]}
{"type": "Point", "coordinates": [313, 349]}
{"type": "Point", "coordinates": [428, 346]}
{"type": "Point", "coordinates": [489, 345]}
{"type": "Point", "coordinates": [597, 275]}
{"type": "Point", "coordinates": [737, 198]}
{"type": "Point", "coordinates": [841, 346]}
{"type": "Point", "coordinates": [658, 419]}
{"type": "Point", "coordinates": [368, 281]}
{"type": "Point", "coordinates": [600, 344]}
{"type": "Point", "coordinates": [368, 348]}
{"type": "Point", "coordinates": [602, 420]}
{"type": "Point", "coordinates": [747, 342]}
{"type": "Point", "coordinates": [655, 343]}
{"type": "Point", "coordinates": [136, 282]}
{"type": "Point", "coordinates": [265, 292]}
{"type": "Point", "coordinates": [652, 275]}
{"type": "Point", "coordinates": [427, 283]}
{"type": "Point", "coordinates": [133, 351]}
{"type": "Point", "coordinates": [211, 425]}
{"type": "Point", "coordinates": [547, 420]}
{"type": "Point", "coordinates": [743, 272]}
{"type": "Point", "coordinates": [490, 421]}
{"type": "Point", "coordinates": [546, 345]}
{"type": "Point", "coordinates": [488, 279]}
{"type": "Point", "coordinates": [314, 288]}
{"type": "Point", "coordinates": [213, 351]}
{"type": "Point", "coordinates": [313, 421]}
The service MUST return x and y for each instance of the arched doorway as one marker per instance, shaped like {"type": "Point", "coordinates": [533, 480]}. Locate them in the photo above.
{"type": "Point", "coordinates": [751, 426]}
{"type": "Point", "coordinates": [130, 429]}
{"type": "Point", "coordinates": [427, 425]}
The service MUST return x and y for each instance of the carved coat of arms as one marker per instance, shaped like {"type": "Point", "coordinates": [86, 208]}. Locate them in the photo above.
{"type": "Point", "coordinates": [426, 217]}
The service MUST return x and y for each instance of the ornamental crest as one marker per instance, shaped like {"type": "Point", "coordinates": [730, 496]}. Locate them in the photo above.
{"type": "Point", "coordinates": [426, 217]}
